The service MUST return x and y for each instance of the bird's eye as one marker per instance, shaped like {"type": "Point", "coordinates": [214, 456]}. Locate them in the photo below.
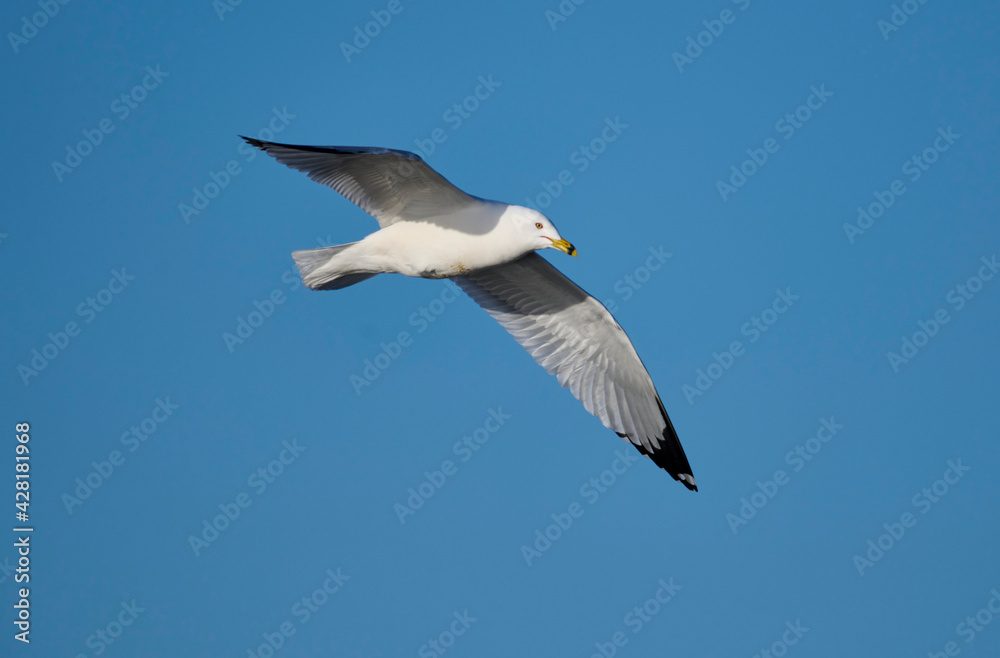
{"type": "Point", "coordinates": [538, 225]}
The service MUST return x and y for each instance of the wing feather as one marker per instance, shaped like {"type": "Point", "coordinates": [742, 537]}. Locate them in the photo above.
{"type": "Point", "coordinates": [575, 338]}
{"type": "Point", "coordinates": [389, 185]}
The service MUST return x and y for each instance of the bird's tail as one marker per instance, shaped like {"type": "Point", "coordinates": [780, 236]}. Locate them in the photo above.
{"type": "Point", "coordinates": [322, 270]}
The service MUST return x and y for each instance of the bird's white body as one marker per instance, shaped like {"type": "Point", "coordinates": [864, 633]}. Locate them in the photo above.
{"type": "Point", "coordinates": [448, 245]}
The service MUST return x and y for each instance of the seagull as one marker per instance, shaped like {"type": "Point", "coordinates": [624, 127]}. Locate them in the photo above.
{"type": "Point", "coordinates": [431, 229]}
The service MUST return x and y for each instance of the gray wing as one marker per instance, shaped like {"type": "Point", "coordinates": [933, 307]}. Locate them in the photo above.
{"type": "Point", "coordinates": [389, 185]}
{"type": "Point", "coordinates": [575, 338]}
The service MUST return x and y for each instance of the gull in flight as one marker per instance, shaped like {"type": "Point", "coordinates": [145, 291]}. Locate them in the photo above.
{"type": "Point", "coordinates": [429, 228]}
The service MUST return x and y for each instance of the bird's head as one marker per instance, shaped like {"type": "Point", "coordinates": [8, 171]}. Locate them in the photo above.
{"type": "Point", "coordinates": [540, 232]}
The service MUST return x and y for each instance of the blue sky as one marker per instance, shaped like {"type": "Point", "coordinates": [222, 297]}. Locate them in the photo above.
{"type": "Point", "coordinates": [791, 209]}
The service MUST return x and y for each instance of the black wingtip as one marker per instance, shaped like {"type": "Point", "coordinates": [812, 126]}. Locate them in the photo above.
{"type": "Point", "coordinates": [670, 455]}
{"type": "Point", "coordinates": [674, 460]}
{"type": "Point", "coordinates": [253, 142]}
{"type": "Point", "coordinates": [669, 463]}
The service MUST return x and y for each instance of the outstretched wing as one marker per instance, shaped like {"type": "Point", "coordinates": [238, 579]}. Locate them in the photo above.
{"type": "Point", "coordinates": [575, 338]}
{"type": "Point", "coordinates": [389, 185]}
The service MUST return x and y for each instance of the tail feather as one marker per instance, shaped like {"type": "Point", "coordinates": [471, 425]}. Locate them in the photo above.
{"type": "Point", "coordinates": [319, 273]}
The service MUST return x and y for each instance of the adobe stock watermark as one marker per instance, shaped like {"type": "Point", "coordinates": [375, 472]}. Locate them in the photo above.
{"type": "Point", "coordinates": [420, 319]}
{"type": "Point", "coordinates": [789, 638]}
{"type": "Point", "coordinates": [913, 168]}
{"type": "Point", "coordinates": [581, 158]}
{"type": "Point", "coordinates": [754, 328]}
{"type": "Point", "coordinates": [265, 307]}
{"type": "Point", "coordinates": [628, 285]}
{"type": "Point", "coordinates": [259, 480]}
{"type": "Point", "coordinates": [88, 309]}
{"type": "Point", "coordinates": [457, 114]}
{"type": "Point", "coordinates": [924, 500]}
{"type": "Point", "coordinates": [132, 438]}
{"type": "Point", "coordinates": [714, 28]}
{"type": "Point", "coordinates": [303, 610]}
{"type": "Point", "coordinates": [203, 195]}
{"type": "Point", "coordinates": [32, 23]}
{"type": "Point", "coordinates": [591, 491]}
{"type": "Point", "coordinates": [957, 297]}
{"type": "Point", "coordinates": [971, 626]}
{"type": "Point", "coordinates": [223, 7]}
{"type": "Point", "coordinates": [898, 17]}
{"type": "Point", "coordinates": [562, 12]}
{"type": "Point", "coordinates": [364, 34]}
{"type": "Point", "coordinates": [22, 609]}
{"type": "Point", "coordinates": [122, 107]}
{"type": "Point", "coordinates": [460, 623]}
{"type": "Point", "coordinates": [637, 618]}
{"type": "Point", "coordinates": [787, 126]}
{"type": "Point", "coordinates": [797, 458]}
{"type": "Point", "coordinates": [104, 637]}
{"type": "Point", "coordinates": [463, 449]}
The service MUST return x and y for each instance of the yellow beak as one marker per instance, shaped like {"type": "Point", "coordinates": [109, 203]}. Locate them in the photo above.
{"type": "Point", "coordinates": [564, 247]}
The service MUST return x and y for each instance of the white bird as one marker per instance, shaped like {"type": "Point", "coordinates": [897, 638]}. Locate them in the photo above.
{"type": "Point", "coordinates": [429, 228]}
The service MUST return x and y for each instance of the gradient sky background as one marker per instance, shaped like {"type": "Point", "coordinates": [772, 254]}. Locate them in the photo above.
{"type": "Point", "coordinates": [654, 187]}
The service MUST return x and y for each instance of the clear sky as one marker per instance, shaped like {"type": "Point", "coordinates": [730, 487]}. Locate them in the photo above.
{"type": "Point", "coordinates": [792, 209]}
